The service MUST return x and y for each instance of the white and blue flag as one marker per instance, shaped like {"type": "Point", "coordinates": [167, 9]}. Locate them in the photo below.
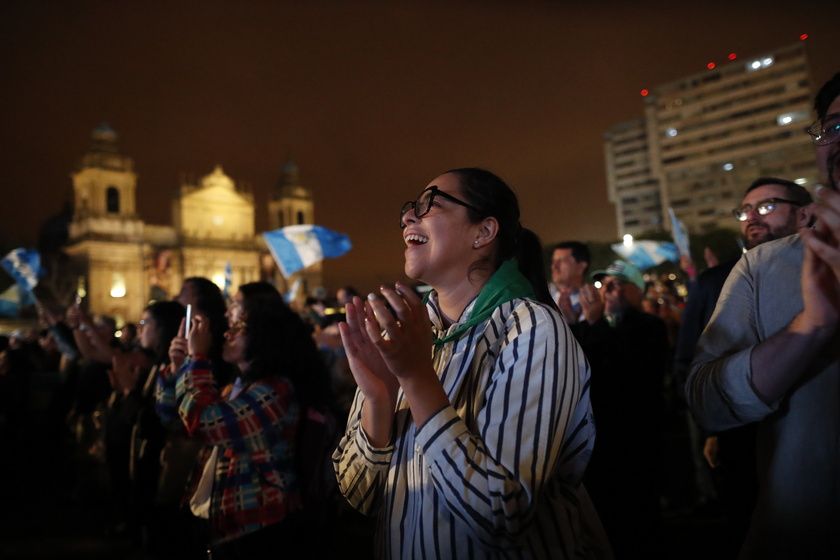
{"type": "Point", "coordinates": [13, 299]}
{"type": "Point", "coordinates": [25, 267]}
{"type": "Point", "coordinates": [647, 254]}
{"type": "Point", "coordinates": [294, 291]}
{"type": "Point", "coordinates": [297, 247]}
{"type": "Point", "coordinates": [228, 281]}
{"type": "Point", "coordinates": [680, 233]}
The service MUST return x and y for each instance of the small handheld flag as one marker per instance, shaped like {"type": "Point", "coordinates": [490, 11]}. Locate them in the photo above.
{"type": "Point", "coordinates": [228, 281]}
{"type": "Point", "coordinates": [297, 247]}
{"type": "Point", "coordinates": [13, 299]}
{"type": "Point", "coordinates": [294, 291]}
{"type": "Point", "coordinates": [25, 267]}
{"type": "Point", "coordinates": [680, 233]}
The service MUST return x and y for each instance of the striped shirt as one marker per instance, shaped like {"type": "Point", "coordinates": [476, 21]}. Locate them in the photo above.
{"type": "Point", "coordinates": [497, 473]}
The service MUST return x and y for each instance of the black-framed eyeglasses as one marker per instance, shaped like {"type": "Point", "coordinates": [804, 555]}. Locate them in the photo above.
{"type": "Point", "coordinates": [424, 203]}
{"type": "Point", "coordinates": [826, 132]}
{"type": "Point", "coordinates": [763, 207]}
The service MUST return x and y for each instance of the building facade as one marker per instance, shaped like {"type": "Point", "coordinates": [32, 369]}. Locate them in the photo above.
{"type": "Point", "coordinates": [630, 181]}
{"type": "Point", "coordinates": [123, 263]}
{"type": "Point", "coordinates": [703, 139]}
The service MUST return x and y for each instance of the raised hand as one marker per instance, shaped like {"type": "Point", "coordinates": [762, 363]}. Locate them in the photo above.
{"type": "Point", "coordinates": [821, 267]}
{"type": "Point", "coordinates": [72, 316]}
{"type": "Point", "coordinates": [200, 338]}
{"type": "Point", "coordinates": [374, 379]}
{"type": "Point", "coordinates": [567, 310]}
{"type": "Point", "coordinates": [178, 349]}
{"type": "Point", "coordinates": [125, 370]}
{"type": "Point", "coordinates": [591, 303]}
{"type": "Point", "coordinates": [407, 347]}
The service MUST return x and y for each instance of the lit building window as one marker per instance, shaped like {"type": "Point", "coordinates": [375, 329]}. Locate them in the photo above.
{"type": "Point", "coordinates": [758, 64]}
{"type": "Point", "coordinates": [117, 285]}
{"type": "Point", "coordinates": [795, 116]}
{"type": "Point", "coordinates": [728, 167]}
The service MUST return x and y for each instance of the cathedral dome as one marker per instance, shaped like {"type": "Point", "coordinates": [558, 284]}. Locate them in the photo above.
{"type": "Point", "coordinates": [103, 131]}
{"type": "Point", "coordinates": [217, 179]}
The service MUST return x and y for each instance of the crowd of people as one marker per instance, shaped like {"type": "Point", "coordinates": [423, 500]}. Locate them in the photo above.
{"type": "Point", "coordinates": [202, 441]}
{"type": "Point", "coordinates": [530, 420]}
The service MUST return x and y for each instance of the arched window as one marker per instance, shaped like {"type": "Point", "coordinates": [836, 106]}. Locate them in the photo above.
{"type": "Point", "coordinates": [300, 217]}
{"type": "Point", "coordinates": [112, 200]}
{"type": "Point", "coordinates": [281, 219]}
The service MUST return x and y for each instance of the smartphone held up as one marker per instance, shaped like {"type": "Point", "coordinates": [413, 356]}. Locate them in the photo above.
{"type": "Point", "coordinates": [188, 323]}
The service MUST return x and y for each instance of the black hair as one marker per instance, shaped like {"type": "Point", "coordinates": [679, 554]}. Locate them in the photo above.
{"type": "Point", "coordinates": [794, 191]}
{"type": "Point", "coordinates": [167, 316]}
{"type": "Point", "coordinates": [827, 94]}
{"type": "Point", "coordinates": [580, 251]}
{"type": "Point", "coordinates": [280, 344]}
{"type": "Point", "coordinates": [491, 196]}
{"type": "Point", "coordinates": [211, 303]}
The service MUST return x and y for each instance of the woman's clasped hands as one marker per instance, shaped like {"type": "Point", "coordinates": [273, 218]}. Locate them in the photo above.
{"type": "Point", "coordinates": [389, 348]}
{"type": "Point", "coordinates": [405, 348]}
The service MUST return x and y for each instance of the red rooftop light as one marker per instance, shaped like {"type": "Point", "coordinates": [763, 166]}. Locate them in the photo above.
{"type": "Point", "coordinates": [732, 56]}
{"type": "Point", "coordinates": [644, 92]}
{"type": "Point", "coordinates": [710, 65]}
{"type": "Point", "coordinates": [803, 36]}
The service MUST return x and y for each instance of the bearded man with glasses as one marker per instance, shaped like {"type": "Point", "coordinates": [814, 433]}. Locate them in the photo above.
{"type": "Point", "coordinates": [771, 355]}
{"type": "Point", "coordinates": [771, 209]}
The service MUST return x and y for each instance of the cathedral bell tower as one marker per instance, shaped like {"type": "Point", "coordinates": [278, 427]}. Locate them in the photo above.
{"type": "Point", "coordinates": [106, 235]}
{"type": "Point", "coordinates": [293, 204]}
{"type": "Point", "coordinates": [104, 183]}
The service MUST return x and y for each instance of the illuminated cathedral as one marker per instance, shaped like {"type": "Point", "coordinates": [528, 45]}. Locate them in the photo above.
{"type": "Point", "coordinates": [121, 263]}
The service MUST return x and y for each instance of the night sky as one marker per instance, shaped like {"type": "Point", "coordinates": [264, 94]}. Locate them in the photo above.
{"type": "Point", "coordinates": [371, 99]}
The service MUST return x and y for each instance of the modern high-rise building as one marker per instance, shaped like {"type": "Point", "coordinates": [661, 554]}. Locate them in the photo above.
{"type": "Point", "coordinates": [632, 186]}
{"type": "Point", "coordinates": [704, 138]}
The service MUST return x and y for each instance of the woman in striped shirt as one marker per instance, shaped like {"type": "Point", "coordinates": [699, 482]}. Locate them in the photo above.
{"type": "Point", "coordinates": [478, 450]}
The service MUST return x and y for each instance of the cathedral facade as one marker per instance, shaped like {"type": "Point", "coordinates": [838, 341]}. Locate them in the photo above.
{"type": "Point", "coordinates": [122, 263]}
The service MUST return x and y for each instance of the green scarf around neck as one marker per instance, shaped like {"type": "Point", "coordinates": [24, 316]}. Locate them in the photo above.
{"type": "Point", "coordinates": [506, 284]}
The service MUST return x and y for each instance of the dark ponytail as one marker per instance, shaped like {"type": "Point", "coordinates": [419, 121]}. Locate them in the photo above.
{"type": "Point", "coordinates": [491, 196]}
{"type": "Point", "coordinates": [529, 256]}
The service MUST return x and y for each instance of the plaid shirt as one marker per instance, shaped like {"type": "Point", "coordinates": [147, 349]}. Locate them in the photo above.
{"type": "Point", "coordinates": [255, 483]}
